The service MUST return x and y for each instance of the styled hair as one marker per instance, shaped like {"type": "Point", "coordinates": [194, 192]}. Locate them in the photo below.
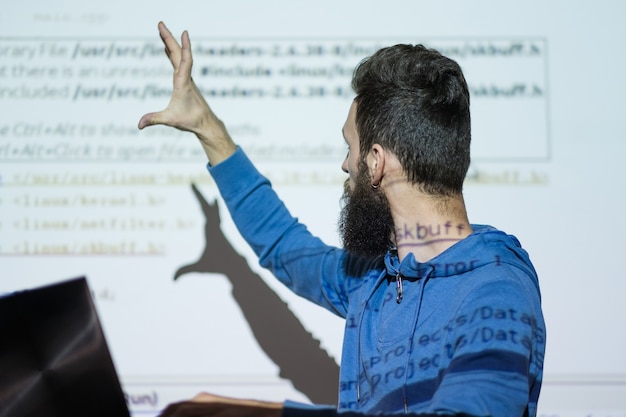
{"type": "Point", "coordinates": [414, 102]}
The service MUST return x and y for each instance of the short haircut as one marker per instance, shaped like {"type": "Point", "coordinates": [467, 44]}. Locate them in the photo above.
{"type": "Point", "coordinates": [415, 102]}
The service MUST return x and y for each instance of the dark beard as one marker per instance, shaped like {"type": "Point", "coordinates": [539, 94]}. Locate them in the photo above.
{"type": "Point", "coordinates": [365, 222]}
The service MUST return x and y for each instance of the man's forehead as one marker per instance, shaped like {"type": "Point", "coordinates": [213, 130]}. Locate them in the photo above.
{"type": "Point", "coordinates": [350, 124]}
{"type": "Point", "coordinates": [352, 109]}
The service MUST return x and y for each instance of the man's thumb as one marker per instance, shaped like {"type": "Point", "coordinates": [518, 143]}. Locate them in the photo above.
{"type": "Point", "coordinates": [149, 119]}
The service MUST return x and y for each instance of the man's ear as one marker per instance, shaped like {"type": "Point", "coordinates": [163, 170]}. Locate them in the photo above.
{"type": "Point", "coordinates": [376, 164]}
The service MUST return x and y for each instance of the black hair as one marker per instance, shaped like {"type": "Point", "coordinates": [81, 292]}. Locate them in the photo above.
{"type": "Point", "coordinates": [415, 102]}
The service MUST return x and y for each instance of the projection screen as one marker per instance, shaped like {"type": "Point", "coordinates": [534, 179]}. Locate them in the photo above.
{"type": "Point", "coordinates": [83, 192]}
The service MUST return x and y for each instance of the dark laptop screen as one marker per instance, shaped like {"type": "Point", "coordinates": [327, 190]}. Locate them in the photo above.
{"type": "Point", "coordinates": [54, 360]}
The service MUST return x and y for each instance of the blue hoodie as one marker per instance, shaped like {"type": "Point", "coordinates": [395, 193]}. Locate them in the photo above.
{"type": "Point", "coordinates": [467, 334]}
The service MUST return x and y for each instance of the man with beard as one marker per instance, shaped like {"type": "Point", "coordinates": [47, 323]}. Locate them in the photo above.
{"type": "Point", "coordinates": [442, 316]}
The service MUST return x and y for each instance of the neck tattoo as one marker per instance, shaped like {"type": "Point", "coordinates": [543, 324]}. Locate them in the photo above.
{"type": "Point", "coordinates": [425, 234]}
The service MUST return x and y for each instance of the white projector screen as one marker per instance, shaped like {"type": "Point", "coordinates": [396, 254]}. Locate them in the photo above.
{"type": "Point", "coordinates": [83, 192]}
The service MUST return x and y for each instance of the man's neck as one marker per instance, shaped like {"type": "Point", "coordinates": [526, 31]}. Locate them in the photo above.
{"type": "Point", "coordinates": [425, 225]}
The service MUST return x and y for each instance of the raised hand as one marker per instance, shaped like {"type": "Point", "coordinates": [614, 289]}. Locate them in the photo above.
{"type": "Point", "coordinates": [187, 110]}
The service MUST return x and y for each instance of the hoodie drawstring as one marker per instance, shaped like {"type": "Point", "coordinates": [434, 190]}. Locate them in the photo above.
{"type": "Point", "coordinates": [399, 296]}
{"type": "Point", "coordinates": [358, 359]}
{"type": "Point", "coordinates": [398, 288]}
{"type": "Point", "coordinates": [418, 308]}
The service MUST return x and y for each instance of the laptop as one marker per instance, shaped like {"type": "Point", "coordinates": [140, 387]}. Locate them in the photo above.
{"type": "Point", "coordinates": [54, 359]}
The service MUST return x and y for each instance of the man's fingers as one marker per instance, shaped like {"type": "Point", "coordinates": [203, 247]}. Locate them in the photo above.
{"type": "Point", "coordinates": [172, 49]}
{"type": "Point", "coordinates": [186, 61]}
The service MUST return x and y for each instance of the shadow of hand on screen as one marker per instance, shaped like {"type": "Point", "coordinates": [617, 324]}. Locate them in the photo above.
{"type": "Point", "coordinates": [279, 333]}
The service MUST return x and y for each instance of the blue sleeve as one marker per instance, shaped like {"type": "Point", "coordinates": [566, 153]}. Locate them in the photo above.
{"type": "Point", "coordinates": [299, 260]}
